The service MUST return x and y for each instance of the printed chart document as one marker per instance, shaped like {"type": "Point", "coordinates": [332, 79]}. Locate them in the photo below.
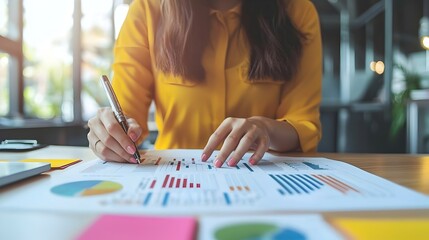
{"type": "Point", "coordinates": [177, 182]}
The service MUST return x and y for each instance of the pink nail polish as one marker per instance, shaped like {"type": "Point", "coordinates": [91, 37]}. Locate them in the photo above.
{"type": "Point", "coordinates": [133, 160]}
{"type": "Point", "coordinates": [232, 162]}
{"type": "Point", "coordinates": [133, 136]}
{"type": "Point", "coordinates": [252, 161]}
{"type": "Point", "coordinates": [204, 157]}
{"type": "Point", "coordinates": [131, 150]}
{"type": "Point", "coordinates": [218, 163]}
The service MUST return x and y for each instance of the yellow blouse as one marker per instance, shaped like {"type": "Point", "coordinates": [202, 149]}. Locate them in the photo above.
{"type": "Point", "coordinates": [188, 113]}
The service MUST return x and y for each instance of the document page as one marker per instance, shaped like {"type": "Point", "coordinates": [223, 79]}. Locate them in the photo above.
{"type": "Point", "coordinates": [177, 182]}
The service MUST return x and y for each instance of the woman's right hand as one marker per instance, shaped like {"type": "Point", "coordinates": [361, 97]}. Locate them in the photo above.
{"type": "Point", "coordinates": [109, 141]}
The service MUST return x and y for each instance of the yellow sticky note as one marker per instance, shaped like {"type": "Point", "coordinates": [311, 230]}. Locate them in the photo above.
{"type": "Point", "coordinates": [55, 163]}
{"type": "Point", "coordinates": [384, 228]}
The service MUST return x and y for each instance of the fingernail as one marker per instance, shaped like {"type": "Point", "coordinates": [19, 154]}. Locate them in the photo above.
{"type": "Point", "coordinates": [133, 160]}
{"type": "Point", "coordinates": [218, 163]}
{"type": "Point", "coordinates": [204, 157]}
{"type": "Point", "coordinates": [131, 150]}
{"type": "Point", "coordinates": [252, 161]}
{"type": "Point", "coordinates": [133, 136]}
{"type": "Point", "coordinates": [232, 162]}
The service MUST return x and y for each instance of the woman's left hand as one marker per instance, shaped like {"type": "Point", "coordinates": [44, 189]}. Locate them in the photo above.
{"type": "Point", "coordinates": [238, 135]}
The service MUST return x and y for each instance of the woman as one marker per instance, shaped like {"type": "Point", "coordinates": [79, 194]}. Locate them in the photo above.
{"type": "Point", "coordinates": [229, 74]}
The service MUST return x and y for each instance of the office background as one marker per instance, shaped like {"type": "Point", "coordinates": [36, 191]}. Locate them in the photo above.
{"type": "Point", "coordinates": [53, 52]}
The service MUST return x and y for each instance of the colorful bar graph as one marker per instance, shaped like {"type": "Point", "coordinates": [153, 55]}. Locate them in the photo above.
{"type": "Point", "coordinates": [177, 182]}
{"type": "Point", "coordinates": [306, 184]}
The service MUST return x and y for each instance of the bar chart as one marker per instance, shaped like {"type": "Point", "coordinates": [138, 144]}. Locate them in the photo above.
{"type": "Point", "coordinates": [178, 182]}
{"type": "Point", "coordinates": [191, 190]}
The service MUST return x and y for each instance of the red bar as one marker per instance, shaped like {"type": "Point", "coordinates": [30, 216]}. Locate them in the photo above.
{"type": "Point", "coordinates": [178, 183]}
{"type": "Point", "coordinates": [171, 182]}
{"type": "Point", "coordinates": [178, 166]}
{"type": "Point", "coordinates": [157, 161]}
{"type": "Point", "coordinates": [164, 184]}
{"type": "Point", "coordinates": [153, 184]}
{"type": "Point", "coordinates": [327, 181]}
{"type": "Point", "coordinates": [342, 184]}
{"type": "Point", "coordinates": [191, 185]}
{"type": "Point", "coordinates": [185, 182]}
{"type": "Point", "coordinates": [198, 185]}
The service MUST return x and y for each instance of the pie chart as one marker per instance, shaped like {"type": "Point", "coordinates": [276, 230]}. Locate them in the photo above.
{"type": "Point", "coordinates": [86, 188]}
{"type": "Point", "coordinates": [257, 231]}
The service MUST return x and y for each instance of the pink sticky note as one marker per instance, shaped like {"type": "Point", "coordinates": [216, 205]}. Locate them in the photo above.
{"type": "Point", "coordinates": [140, 227]}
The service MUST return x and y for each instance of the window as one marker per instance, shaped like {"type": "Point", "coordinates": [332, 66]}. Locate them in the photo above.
{"type": "Point", "coordinates": [4, 17]}
{"type": "Point", "coordinates": [97, 50]}
{"type": "Point", "coordinates": [4, 84]}
{"type": "Point", "coordinates": [48, 59]}
{"type": "Point", "coordinates": [52, 54]}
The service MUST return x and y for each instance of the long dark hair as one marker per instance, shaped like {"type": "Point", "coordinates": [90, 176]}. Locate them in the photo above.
{"type": "Point", "coordinates": [275, 44]}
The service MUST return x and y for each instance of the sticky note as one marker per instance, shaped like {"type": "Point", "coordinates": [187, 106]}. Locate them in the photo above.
{"type": "Point", "coordinates": [55, 163]}
{"type": "Point", "coordinates": [385, 228]}
{"type": "Point", "coordinates": [140, 227]}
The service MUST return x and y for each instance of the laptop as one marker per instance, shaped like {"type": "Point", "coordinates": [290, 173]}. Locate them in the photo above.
{"type": "Point", "coordinates": [14, 171]}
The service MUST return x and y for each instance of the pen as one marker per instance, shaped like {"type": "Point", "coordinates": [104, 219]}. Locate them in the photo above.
{"type": "Point", "coordinates": [117, 110]}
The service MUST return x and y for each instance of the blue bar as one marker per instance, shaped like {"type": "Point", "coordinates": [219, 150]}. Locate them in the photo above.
{"type": "Point", "coordinates": [165, 200]}
{"type": "Point", "coordinates": [248, 167]}
{"type": "Point", "coordinates": [236, 166]}
{"type": "Point", "coordinates": [296, 183]}
{"type": "Point", "coordinates": [227, 199]}
{"type": "Point", "coordinates": [308, 181]}
{"type": "Point", "coordinates": [289, 184]}
{"type": "Point", "coordinates": [313, 166]}
{"type": "Point", "coordinates": [281, 192]}
{"type": "Point", "coordinates": [209, 166]}
{"type": "Point", "coordinates": [302, 182]}
{"type": "Point", "coordinates": [281, 184]}
{"type": "Point", "coordinates": [313, 179]}
{"type": "Point", "coordinates": [147, 199]}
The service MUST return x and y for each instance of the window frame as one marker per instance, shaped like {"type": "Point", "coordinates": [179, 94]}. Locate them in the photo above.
{"type": "Point", "coordinates": [13, 46]}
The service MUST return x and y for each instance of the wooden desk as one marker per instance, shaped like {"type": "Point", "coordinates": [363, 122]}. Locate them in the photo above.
{"type": "Point", "coordinates": [411, 171]}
